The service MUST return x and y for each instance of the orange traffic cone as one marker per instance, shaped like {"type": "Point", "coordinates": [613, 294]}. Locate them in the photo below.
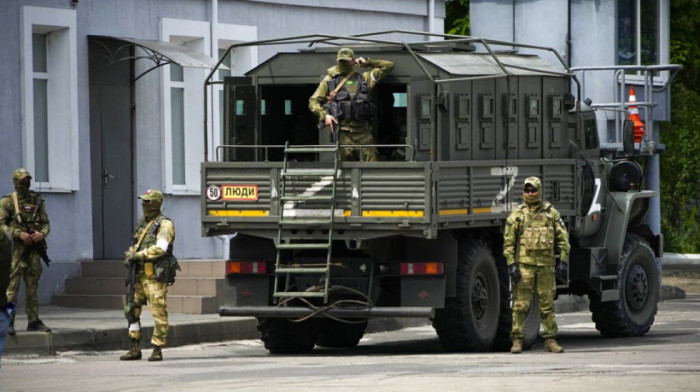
{"type": "Point", "coordinates": [634, 116]}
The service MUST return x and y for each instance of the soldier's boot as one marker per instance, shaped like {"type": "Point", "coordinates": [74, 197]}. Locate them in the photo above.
{"type": "Point", "coordinates": [38, 326]}
{"type": "Point", "coordinates": [157, 354]}
{"type": "Point", "coordinates": [11, 329]}
{"type": "Point", "coordinates": [551, 345]}
{"type": "Point", "coordinates": [134, 352]}
{"type": "Point", "coordinates": [517, 347]}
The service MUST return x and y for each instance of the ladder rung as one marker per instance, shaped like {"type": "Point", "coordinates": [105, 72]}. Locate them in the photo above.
{"type": "Point", "coordinates": [307, 172]}
{"type": "Point", "coordinates": [305, 198]}
{"type": "Point", "coordinates": [321, 245]}
{"type": "Point", "coordinates": [294, 150]}
{"type": "Point", "coordinates": [314, 294]}
{"type": "Point", "coordinates": [301, 270]}
{"type": "Point", "coordinates": [305, 222]}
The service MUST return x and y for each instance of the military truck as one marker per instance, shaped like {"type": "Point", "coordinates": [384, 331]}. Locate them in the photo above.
{"type": "Point", "coordinates": [320, 246]}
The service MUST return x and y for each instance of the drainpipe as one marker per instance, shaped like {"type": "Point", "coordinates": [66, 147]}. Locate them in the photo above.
{"type": "Point", "coordinates": [225, 245]}
{"type": "Point", "coordinates": [214, 42]}
{"type": "Point", "coordinates": [431, 18]}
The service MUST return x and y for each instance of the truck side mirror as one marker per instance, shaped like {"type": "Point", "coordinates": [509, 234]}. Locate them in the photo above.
{"type": "Point", "coordinates": [628, 137]}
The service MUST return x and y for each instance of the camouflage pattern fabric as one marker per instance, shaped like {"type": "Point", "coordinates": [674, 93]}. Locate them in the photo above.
{"type": "Point", "coordinates": [147, 289]}
{"type": "Point", "coordinates": [540, 278]}
{"type": "Point", "coordinates": [369, 154]}
{"type": "Point", "coordinates": [28, 267]}
{"type": "Point", "coordinates": [532, 232]}
{"type": "Point", "coordinates": [362, 129]}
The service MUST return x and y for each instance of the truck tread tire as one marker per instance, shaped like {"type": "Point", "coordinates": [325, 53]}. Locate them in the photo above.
{"type": "Point", "coordinates": [469, 321]}
{"type": "Point", "coordinates": [638, 282]}
{"type": "Point", "coordinates": [338, 334]}
{"type": "Point", "coordinates": [282, 336]}
{"type": "Point", "coordinates": [505, 325]}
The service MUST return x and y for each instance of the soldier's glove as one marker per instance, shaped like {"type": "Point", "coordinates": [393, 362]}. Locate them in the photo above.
{"type": "Point", "coordinates": [563, 271]}
{"type": "Point", "coordinates": [128, 258]}
{"type": "Point", "coordinates": [514, 272]}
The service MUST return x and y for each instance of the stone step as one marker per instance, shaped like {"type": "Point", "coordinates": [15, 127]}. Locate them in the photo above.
{"type": "Point", "coordinates": [199, 287]}
{"type": "Point", "coordinates": [114, 286]}
{"type": "Point", "coordinates": [176, 303]}
{"type": "Point", "coordinates": [190, 268]}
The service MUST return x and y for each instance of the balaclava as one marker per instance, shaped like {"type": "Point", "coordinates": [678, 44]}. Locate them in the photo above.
{"type": "Point", "coordinates": [532, 199]}
{"type": "Point", "coordinates": [152, 200]}
{"type": "Point", "coordinates": [22, 181]}
{"type": "Point", "coordinates": [344, 60]}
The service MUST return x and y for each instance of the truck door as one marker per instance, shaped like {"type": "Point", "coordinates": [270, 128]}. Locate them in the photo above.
{"type": "Point", "coordinates": [239, 118]}
{"type": "Point", "coordinates": [422, 133]}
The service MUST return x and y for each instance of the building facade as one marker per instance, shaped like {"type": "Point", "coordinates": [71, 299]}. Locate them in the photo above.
{"type": "Point", "coordinates": [102, 100]}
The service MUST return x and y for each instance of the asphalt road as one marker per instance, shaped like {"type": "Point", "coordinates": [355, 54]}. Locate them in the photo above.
{"type": "Point", "coordinates": [667, 359]}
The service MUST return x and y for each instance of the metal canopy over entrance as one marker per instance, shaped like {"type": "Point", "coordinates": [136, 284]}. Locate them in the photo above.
{"type": "Point", "coordinates": [159, 52]}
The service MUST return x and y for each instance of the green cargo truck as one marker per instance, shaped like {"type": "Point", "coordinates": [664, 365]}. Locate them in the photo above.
{"type": "Point", "coordinates": [320, 246]}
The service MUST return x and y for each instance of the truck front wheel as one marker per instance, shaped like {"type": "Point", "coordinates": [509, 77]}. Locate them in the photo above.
{"type": "Point", "coordinates": [638, 283]}
{"type": "Point", "coordinates": [469, 321]}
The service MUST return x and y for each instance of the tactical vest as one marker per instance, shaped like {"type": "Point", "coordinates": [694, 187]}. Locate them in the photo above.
{"type": "Point", "coordinates": [151, 236]}
{"type": "Point", "coordinates": [358, 107]}
{"type": "Point", "coordinates": [537, 230]}
{"type": "Point", "coordinates": [27, 208]}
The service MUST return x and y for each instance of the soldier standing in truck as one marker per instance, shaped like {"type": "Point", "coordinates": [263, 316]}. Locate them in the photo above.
{"type": "Point", "coordinates": [532, 231]}
{"type": "Point", "coordinates": [346, 94]}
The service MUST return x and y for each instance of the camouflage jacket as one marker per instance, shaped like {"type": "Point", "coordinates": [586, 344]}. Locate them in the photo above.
{"type": "Point", "coordinates": [157, 242]}
{"type": "Point", "coordinates": [27, 205]}
{"type": "Point", "coordinates": [535, 233]}
{"type": "Point", "coordinates": [380, 68]}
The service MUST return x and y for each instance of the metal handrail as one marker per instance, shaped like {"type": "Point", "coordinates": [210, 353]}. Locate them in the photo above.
{"type": "Point", "coordinates": [268, 147]}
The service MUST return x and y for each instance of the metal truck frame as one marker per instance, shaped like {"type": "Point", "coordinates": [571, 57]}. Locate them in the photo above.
{"type": "Point", "coordinates": [320, 246]}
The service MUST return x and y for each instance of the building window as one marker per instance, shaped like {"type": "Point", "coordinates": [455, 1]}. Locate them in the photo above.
{"type": "Point", "coordinates": [638, 32]}
{"type": "Point", "coordinates": [177, 119]}
{"type": "Point", "coordinates": [49, 97]}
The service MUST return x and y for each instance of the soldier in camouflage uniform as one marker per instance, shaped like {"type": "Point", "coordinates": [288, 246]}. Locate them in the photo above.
{"type": "Point", "coordinates": [23, 216]}
{"type": "Point", "coordinates": [531, 233]}
{"type": "Point", "coordinates": [352, 100]}
{"type": "Point", "coordinates": [153, 239]}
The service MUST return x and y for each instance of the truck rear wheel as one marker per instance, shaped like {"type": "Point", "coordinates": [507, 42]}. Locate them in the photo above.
{"type": "Point", "coordinates": [469, 321]}
{"type": "Point", "coordinates": [638, 283]}
{"type": "Point", "coordinates": [282, 336]}
{"type": "Point", "coordinates": [338, 334]}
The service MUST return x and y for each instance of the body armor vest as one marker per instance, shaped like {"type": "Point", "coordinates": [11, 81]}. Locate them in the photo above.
{"type": "Point", "coordinates": [151, 236]}
{"type": "Point", "coordinates": [357, 107]}
{"type": "Point", "coordinates": [538, 230]}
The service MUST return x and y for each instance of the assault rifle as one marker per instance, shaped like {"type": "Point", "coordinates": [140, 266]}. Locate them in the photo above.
{"type": "Point", "coordinates": [130, 305]}
{"type": "Point", "coordinates": [39, 247]}
{"type": "Point", "coordinates": [332, 109]}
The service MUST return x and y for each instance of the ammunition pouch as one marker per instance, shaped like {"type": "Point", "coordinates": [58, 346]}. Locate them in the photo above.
{"type": "Point", "coordinates": [165, 269]}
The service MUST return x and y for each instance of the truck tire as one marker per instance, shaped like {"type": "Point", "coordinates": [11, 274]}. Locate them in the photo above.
{"type": "Point", "coordinates": [532, 322]}
{"type": "Point", "coordinates": [638, 282]}
{"type": "Point", "coordinates": [338, 334]}
{"type": "Point", "coordinates": [469, 321]}
{"type": "Point", "coordinates": [282, 336]}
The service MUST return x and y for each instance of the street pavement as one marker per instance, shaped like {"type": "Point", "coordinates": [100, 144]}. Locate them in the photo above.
{"type": "Point", "coordinates": [78, 329]}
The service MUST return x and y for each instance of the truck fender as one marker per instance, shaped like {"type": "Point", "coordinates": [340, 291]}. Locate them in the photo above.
{"type": "Point", "coordinates": [625, 211]}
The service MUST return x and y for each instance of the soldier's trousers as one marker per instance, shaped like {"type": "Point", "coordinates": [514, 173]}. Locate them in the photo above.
{"type": "Point", "coordinates": [541, 279]}
{"type": "Point", "coordinates": [358, 138]}
{"type": "Point", "coordinates": [30, 269]}
{"type": "Point", "coordinates": [154, 292]}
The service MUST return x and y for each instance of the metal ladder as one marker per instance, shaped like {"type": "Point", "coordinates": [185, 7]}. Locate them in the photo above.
{"type": "Point", "coordinates": [287, 223]}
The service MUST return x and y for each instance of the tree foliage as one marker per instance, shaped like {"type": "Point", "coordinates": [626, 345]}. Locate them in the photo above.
{"type": "Point", "coordinates": [680, 163]}
{"type": "Point", "coordinates": [457, 17]}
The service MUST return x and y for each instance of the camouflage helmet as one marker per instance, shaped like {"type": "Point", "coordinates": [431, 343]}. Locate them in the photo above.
{"type": "Point", "coordinates": [20, 174]}
{"type": "Point", "coordinates": [345, 54]}
{"type": "Point", "coordinates": [153, 195]}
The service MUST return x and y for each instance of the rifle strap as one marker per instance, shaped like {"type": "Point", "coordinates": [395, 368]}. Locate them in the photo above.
{"type": "Point", "coordinates": [143, 234]}
{"type": "Point", "coordinates": [339, 86]}
{"type": "Point", "coordinates": [16, 202]}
